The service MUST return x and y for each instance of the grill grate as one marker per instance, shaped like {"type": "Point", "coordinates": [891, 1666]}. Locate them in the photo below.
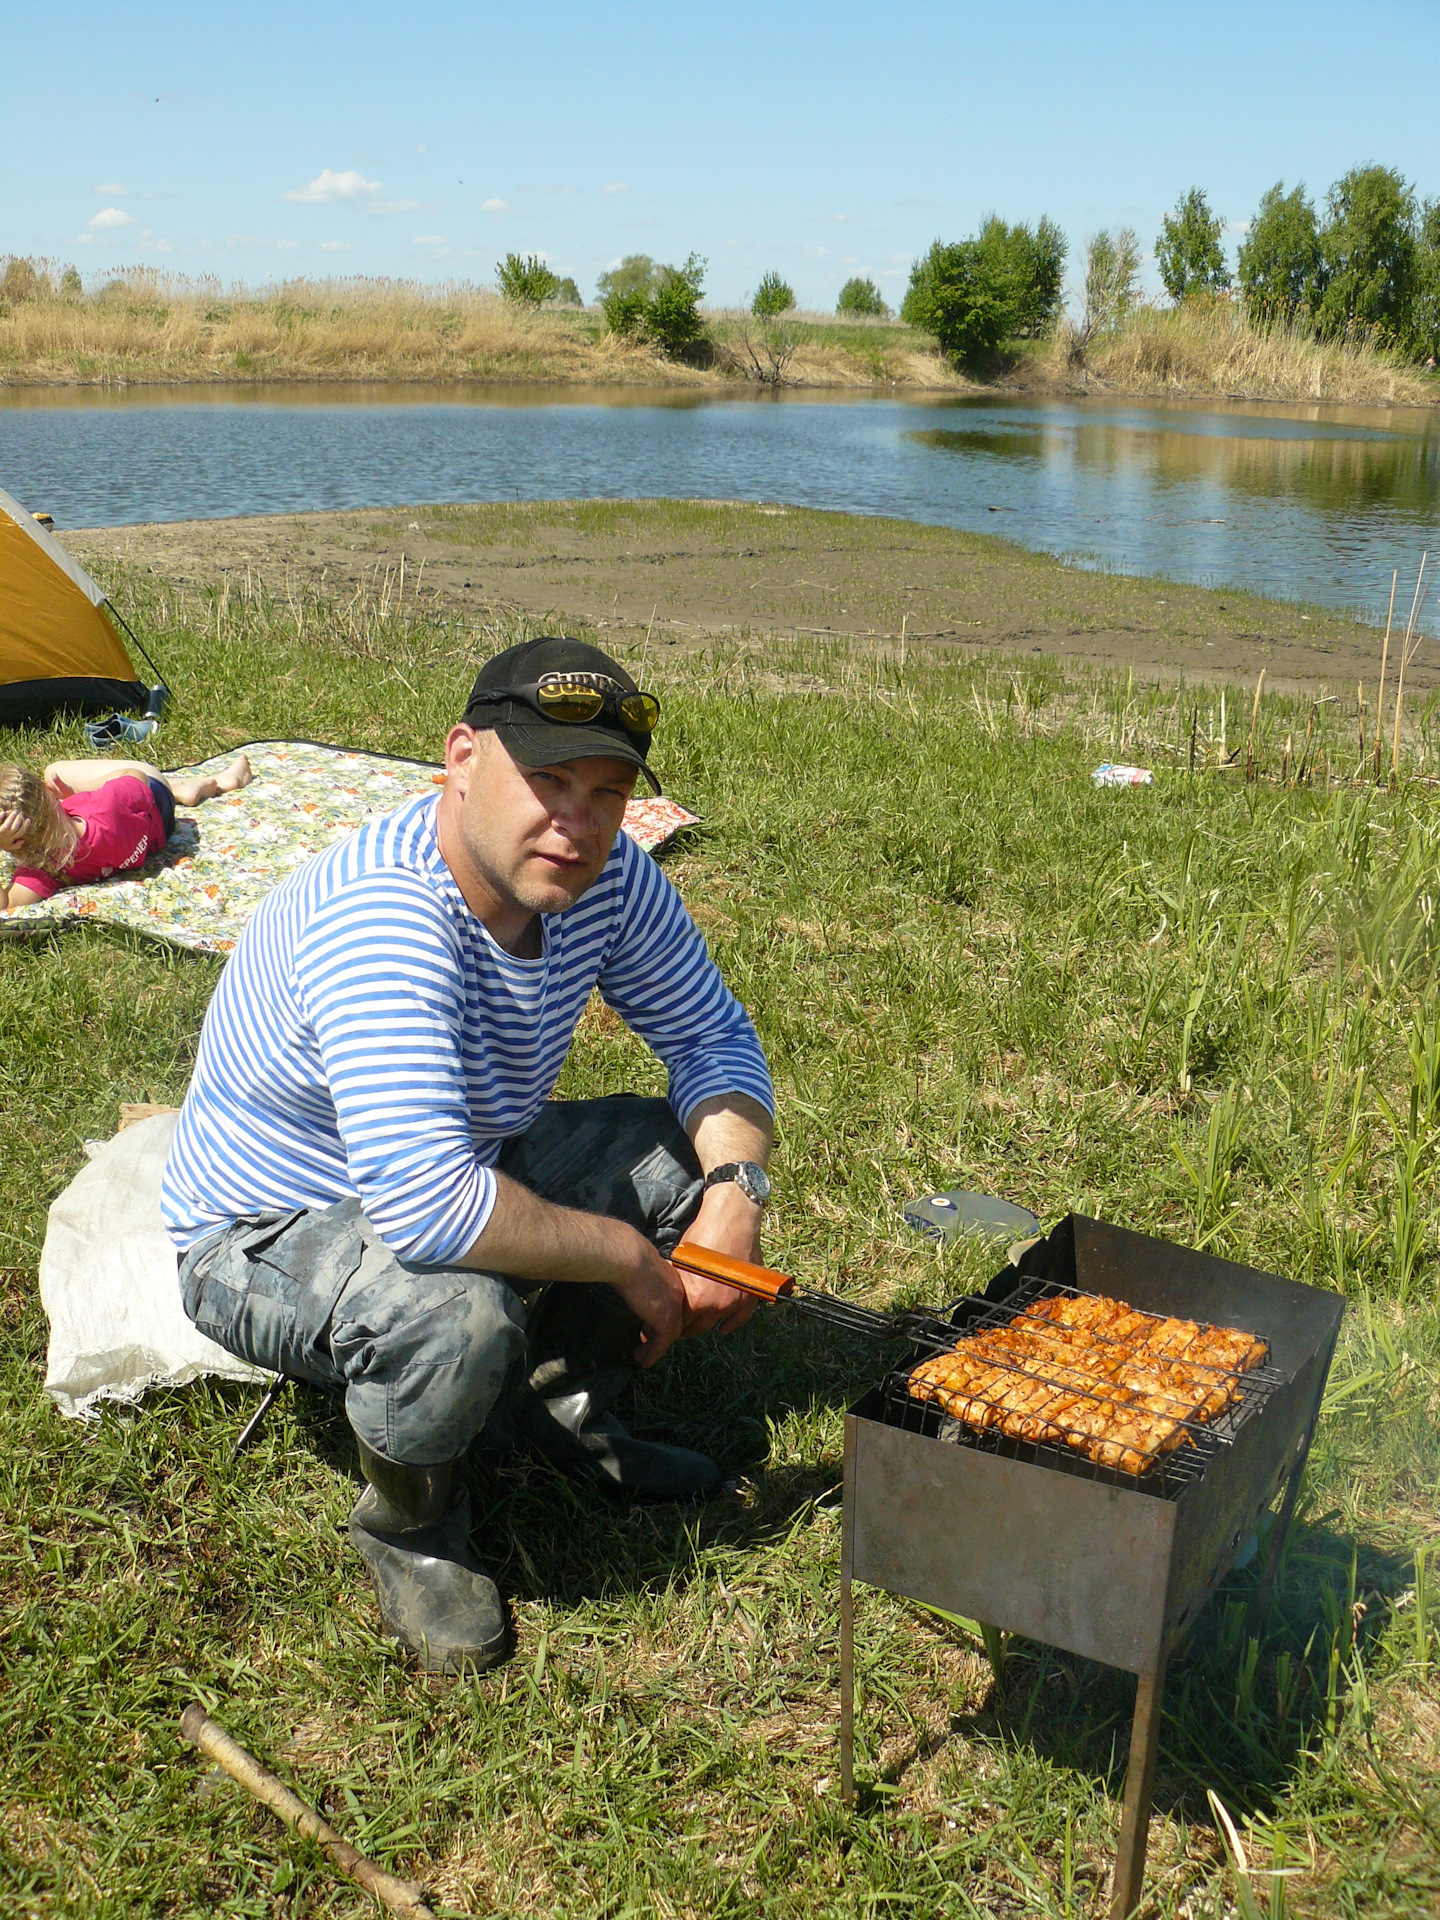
{"type": "Point", "coordinates": [1165, 1475]}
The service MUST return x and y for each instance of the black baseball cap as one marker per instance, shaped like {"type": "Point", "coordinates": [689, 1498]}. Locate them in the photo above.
{"type": "Point", "coordinates": [526, 734]}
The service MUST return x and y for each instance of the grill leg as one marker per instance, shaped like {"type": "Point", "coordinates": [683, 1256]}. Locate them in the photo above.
{"type": "Point", "coordinates": [847, 1692]}
{"type": "Point", "coordinates": [1139, 1785]}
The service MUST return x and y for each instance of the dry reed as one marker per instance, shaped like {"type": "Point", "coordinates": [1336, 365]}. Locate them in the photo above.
{"type": "Point", "coordinates": [1210, 348]}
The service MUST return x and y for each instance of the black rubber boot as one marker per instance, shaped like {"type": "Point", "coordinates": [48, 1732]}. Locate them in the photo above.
{"type": "Point", "coordinates": [411, 1527]}
{"type": "Point", "coordinates": [582, 1342]}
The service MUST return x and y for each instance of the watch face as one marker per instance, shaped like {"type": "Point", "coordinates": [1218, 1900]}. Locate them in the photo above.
{"type": "Point", "coordinates": [753, 1180]}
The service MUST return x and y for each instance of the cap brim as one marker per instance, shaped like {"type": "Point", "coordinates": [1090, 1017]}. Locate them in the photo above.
{"type": "Point", "coordinates": [552, 746]}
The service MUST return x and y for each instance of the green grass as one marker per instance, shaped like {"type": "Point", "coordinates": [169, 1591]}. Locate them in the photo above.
{"type": "Point", "coordinates": [1207, 1010]}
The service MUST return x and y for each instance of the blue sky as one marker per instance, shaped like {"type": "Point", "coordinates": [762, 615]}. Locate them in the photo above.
{"type": "Point", "coordinates": [427, 140]}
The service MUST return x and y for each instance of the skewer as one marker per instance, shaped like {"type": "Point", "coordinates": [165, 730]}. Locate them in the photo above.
{"type": "Point", "coordinates": [942, 1336]}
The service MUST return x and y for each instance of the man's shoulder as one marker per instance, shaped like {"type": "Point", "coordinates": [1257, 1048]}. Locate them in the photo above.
{"type": "Point", "coordinates": [388, 867]}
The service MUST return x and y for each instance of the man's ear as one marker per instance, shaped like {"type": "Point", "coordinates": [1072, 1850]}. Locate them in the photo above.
{"type": "Point", "coordinates": [464, 750]}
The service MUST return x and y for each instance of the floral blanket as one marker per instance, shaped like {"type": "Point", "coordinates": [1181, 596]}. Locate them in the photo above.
{"type": "Point", "coordinates": [225, 856]}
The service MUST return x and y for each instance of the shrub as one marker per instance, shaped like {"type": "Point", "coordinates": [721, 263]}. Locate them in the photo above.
{"type": "Point", "coordinates": [1368, 254]}
{"type": "Point", "coordinates": [636, 273]}
{"type": "Point", "coordinates": [1279, 260]}
{"type": "Point", "coordinates": [862, 297]}
{"type": "Point", "coordinates": [773, 297]}
{"type": "Point", "coordinates": [972, 294]}
{"type": "Point", "coordinates": [625, 312]}
{"type": "Point", "coordinates": [72, 287]}
{"type": "Point", "coordinates": [526, 281]}
{"type": "Point", "coordinates": [1189, 250]}
{"type": "Point", "coordinates": [673, 320]}
{"type": "Point", "coordinates": [668, 314]}
{"type": "Point", "coordinates": [953, 295]}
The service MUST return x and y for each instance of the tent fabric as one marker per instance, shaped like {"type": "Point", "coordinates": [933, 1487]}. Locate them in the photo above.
{"type": "Point", "coordinates": [34, 703]}
{"type": "Point", "coordinates": [54, 628]}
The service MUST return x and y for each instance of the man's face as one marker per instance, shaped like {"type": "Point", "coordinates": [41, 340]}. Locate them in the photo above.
{"type": "Point", "coordinates": [536, 838]}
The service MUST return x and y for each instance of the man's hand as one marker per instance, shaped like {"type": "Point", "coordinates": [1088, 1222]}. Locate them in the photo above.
{"type": "Point", "coordinates": [728, 1222]}
{"type": "Point", "coordinates": [13, 828]}
{"type": "Point", "coordinates": [730, 1126]}
{"type": "Point", "coordinates": [657, 1294]}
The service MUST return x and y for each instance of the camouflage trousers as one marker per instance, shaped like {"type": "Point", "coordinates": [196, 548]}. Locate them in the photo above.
{"type": "Point", "coordinates": [422, 1353]}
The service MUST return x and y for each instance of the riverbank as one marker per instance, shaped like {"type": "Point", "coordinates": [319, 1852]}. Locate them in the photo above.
{"type": "Point", "coordinates": [150, 332]}
{"type": "Point", "coordinates": [697, 572]}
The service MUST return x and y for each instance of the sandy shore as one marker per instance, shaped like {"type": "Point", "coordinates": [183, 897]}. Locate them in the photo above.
{"type": "Point", "coordinates": [702, 569]}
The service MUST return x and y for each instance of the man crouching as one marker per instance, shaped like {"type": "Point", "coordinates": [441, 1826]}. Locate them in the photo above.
{"type": "Point", "coordinates": [370, 1187]}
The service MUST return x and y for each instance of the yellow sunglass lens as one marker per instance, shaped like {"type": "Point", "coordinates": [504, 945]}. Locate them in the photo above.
{"type": "Point", "coordinates": [640, 711]}
{"type": "Point", "coordinates": [571, 703]}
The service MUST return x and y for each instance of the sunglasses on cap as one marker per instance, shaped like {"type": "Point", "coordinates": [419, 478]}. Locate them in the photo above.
{"type": "Point", "coordinates": [574, 698]}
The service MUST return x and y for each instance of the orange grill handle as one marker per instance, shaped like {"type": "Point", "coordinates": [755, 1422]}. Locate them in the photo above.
{"type": "Point", "coordinates": [763, 1282]}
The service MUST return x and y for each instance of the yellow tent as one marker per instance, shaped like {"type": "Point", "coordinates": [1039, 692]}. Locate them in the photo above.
{"type": "Point", "coordinates": [59, 649]}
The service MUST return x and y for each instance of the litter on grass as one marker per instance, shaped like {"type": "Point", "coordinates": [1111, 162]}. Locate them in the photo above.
{"type": "Point", "coordinates": [942, 1216]}
{"type": "Point", "coordinates": [1107, 774]}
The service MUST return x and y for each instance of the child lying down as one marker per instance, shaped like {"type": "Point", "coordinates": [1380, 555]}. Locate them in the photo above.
{"type": "Point", "coordinates": [84, 820]}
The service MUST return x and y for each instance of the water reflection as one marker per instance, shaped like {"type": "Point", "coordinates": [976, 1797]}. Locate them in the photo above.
{"type": "Point", "coordinates": [1313, 502]}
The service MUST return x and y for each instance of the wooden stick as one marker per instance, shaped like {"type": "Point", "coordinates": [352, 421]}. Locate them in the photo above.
{"type": "Point", "coordinates": [1406, 653]}
{"type": "Point", "coordinates": [400, 1896]}
{"type": "Point", "coordinates": [1384, 656]}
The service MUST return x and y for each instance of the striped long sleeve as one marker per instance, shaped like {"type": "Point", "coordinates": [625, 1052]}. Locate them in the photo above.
{"type": "Point", "coordinates": [368, 1038]}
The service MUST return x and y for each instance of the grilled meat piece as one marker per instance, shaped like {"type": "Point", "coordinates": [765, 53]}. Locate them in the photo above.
{"type": "Point", "coordinates": [1120, 1386]}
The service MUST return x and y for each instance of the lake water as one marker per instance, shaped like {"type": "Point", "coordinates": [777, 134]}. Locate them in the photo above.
{"type": "Point", "coordinates": [1313, 503]}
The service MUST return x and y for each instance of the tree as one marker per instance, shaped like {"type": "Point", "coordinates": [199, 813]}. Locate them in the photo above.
{"type": "Point", "coordinates": [71, 285]}
{"type": "Point", "coordinates": [1112, 281]}
{"type": "Point", "coordinates": [773, 297]}
{"type": "Point", "coordinates": [1368, 254]}
{"type": "Point", "coordinates": [972, 294]}
{"type": "Point", "coordinates": [526, 281]}
{"type": "Point", "coordinates": [1425, 310]}
{"type": "Point", "coordinates": [1030, 265]}
{"type": "Point", "coordinates": [862, 297]}
{"type": "Point", "coordinates": [1279, 259]}
{"type": "Point", "coordinates": [22, 280]}
{"type": "Point", "coordinates": [636, 273]}
{"type": "Point", "coordinates": [1190, 250]}
{"type": "Point", "coordinates": [567, 294]}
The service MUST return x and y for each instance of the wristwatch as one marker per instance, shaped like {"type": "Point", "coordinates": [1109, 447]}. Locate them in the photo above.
{"type": "Point", "coordinates": [752, 1180]}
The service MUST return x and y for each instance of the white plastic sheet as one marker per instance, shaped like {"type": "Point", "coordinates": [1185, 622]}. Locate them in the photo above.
{"type": "Point", "coordinates": [108, 1282]}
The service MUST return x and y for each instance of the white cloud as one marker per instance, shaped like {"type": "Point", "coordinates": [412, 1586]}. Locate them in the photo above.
{"type": "Point", "coordinates": [111, 190]}
{"type": "Point", "coordinates": [109, 220]}
{"type": "Point", "coordinates": [437, 242]}
{"type": "Point", "coordinates": [616, 186]}
{"type": "Point", "coordinates": [330, 187]}
{"type": "Point", "coordinates": [395, 206]}
{"type": "Point", "coordinates": [495, 206]}
{"type": "Point", "coordinates": [334, 246]}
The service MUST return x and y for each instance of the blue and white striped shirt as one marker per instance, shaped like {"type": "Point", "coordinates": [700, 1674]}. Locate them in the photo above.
{"type": "Point", "coordinates": [369, 1038]}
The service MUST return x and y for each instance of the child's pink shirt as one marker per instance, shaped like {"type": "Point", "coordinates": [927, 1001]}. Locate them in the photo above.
{"type": "Point", "coordinates": [122, 825]}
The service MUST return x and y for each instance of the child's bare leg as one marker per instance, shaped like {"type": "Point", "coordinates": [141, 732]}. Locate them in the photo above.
{"type": "Point", "coordinates": [194, 790]}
